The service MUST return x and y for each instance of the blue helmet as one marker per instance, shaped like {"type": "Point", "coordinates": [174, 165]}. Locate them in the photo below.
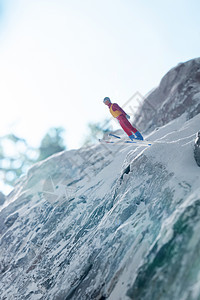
{"type": "Point", "coordinates": [106, 99]}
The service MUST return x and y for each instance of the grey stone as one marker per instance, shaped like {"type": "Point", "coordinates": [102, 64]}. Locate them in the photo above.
{"type": "Point", "coordinates": [197, 149]}
{"type": "Point", "coordinates": [2, 198]}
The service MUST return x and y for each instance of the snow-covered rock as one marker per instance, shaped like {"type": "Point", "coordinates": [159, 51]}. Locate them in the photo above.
{"type": "Point", "coordinates": [197, 149]}
{"type": "Point", "coordinates": [178, 93]}
{"type": "Point", "coordinates": [2, 198]}
{"type": "Point", "coordinates": [110, 221]}
{"type": "Point", "coordinates": [107, 222]}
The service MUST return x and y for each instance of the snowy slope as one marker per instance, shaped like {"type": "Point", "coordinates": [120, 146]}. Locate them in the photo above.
{"type": "Point", "coordinates": [107, 222]}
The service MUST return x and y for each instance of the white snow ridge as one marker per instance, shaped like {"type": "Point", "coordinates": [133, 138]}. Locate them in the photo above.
{"type": "Point", "coordinates": [115, 222]}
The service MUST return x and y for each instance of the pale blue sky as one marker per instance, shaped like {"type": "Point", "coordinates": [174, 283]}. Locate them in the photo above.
{"type": "Point", "coordinates": [60, 58]}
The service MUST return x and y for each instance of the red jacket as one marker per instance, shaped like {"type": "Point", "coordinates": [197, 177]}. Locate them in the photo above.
{"type": "Point", "coordinates": [116, 110]}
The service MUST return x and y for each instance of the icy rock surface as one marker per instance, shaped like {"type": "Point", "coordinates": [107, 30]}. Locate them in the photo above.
{"type": "Point", "coordinates": [106, 222]}
{"type": "Point", "coordinates": [2, 198]}
{"type": "Point", "coordinates": [197, 149]}
{"type": "Point", "coordinates": [178, 93]}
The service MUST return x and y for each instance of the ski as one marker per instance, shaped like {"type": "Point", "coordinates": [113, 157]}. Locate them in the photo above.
{"type": "Point", "coordinates": [116, 136]}
{"type": "Point", "coordinates": [142, 142]}
{"type": "Point", "coordinates": [116, 142]}
{"type": "Point", "coordinates": [121, 141]}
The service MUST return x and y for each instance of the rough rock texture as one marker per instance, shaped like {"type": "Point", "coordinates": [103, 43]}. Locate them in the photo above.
{"type": "Point", "coordinates": [178, 93]}
{"type": "Point", "coordinates": [197, 149]}
{"type": "Point", "coordinates": [111, 221]}
{"type": "Point", "coordinates": [2, 198]}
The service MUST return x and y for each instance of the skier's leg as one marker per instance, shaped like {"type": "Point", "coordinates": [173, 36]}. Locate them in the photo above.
{"type": "Point", "coordinates": [137, 134]}
{"type": "Point", "coordinates": [129, 129]}
{"type": "Point", "coordinates": [129, 125]}
{"type": "Point", "coordinates": [124, 126]}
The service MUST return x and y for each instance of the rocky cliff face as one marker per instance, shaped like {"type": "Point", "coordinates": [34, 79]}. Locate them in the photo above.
{"type": "Point", "coordinates": [2, 198]}
{"type": "Point", "coordinates": [112, 221]}
{"type": "Point", "coordinates": [197, 149]}
{"type": "Point", "coordinates": [178, 93]}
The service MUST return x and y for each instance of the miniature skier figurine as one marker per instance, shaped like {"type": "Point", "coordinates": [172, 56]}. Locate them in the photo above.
{"type": "Point", "coordinates": [117, 112]}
